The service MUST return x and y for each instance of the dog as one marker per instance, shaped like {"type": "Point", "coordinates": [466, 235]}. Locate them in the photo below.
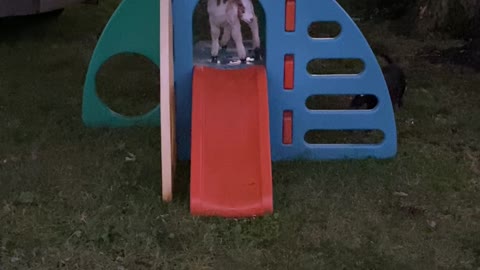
{"type": "Point", "coordinates": [228, 14]}
{"type": "Point", "coordinates": [396, 83]}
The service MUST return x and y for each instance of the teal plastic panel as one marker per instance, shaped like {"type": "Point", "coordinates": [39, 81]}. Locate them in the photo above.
{"type": "Point", "coordinates": [133, 28]}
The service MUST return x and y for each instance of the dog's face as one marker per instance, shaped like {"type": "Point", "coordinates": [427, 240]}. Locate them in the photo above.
{"type": "Point", "coordinates": [246, 11]}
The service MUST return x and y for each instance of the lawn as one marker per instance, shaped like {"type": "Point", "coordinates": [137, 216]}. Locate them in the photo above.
{"type": "Point", "coordinates": [72, 197]}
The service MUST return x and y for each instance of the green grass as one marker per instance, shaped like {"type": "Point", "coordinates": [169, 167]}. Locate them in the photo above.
{"type": "Point", "coordinates": [78, 198]}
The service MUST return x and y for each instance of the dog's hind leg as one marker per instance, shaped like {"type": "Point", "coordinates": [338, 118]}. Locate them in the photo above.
{"type": "Point", "coordinates": [237, 37]}
{"type": "Point", "coordinates": [215, 35]}
{"type": "Point", "coordinates": [258, 54]}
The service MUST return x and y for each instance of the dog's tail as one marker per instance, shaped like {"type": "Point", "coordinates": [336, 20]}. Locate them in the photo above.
{"type": "Point", "coordinates": [387, 58]}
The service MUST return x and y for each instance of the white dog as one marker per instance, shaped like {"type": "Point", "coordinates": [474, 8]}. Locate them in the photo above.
{"type": "Point", "coordinates": [228, 14]}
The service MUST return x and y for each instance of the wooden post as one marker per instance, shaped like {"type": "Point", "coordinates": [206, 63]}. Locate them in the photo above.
{"type": "Point", "coordinates": [167, 100]}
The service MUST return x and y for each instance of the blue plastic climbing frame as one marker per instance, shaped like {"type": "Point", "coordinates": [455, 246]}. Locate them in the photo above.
{"type": "Point", "coordinates": [349, 44]}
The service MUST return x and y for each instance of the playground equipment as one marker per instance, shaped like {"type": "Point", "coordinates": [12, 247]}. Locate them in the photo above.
{"type": "Point", "coordinates": [232, 121]}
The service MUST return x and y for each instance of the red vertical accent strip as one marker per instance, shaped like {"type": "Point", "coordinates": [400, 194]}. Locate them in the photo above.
{"type": "Point", "coordinates": [288, 75]}
{"type": "Point", "coordinates": [287, 127]}
{"type": "Point", "coordinates": [290, 15]}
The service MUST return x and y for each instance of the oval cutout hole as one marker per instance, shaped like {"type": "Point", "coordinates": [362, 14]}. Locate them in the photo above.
{"type": "Point", "coordinates": [324, 29]}
{"type": "Point", "coordinates": [344, 136]}
{"type": "Point", "coordinates": [129, 84]}
{"type": "Point", "coordinates": [341, 102]}
{"type": "Point", "coordinates": [335, 66]}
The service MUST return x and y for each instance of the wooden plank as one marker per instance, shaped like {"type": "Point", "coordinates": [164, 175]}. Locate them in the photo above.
{"type": "Point", "coordinates": [167, 100]}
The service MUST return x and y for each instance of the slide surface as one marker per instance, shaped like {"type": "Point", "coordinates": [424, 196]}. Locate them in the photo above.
{"type": "Point", "coordinates": [231, 174]}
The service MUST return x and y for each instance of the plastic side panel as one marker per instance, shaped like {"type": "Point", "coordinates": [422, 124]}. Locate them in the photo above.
{"type": "Point", "coordinates": [349, 44]}
{"type": "Point", "coordinates": [133, 28]}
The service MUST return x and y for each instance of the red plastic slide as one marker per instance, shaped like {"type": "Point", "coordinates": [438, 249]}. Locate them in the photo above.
{"type": "Point", "coordinates": [231, 173]}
